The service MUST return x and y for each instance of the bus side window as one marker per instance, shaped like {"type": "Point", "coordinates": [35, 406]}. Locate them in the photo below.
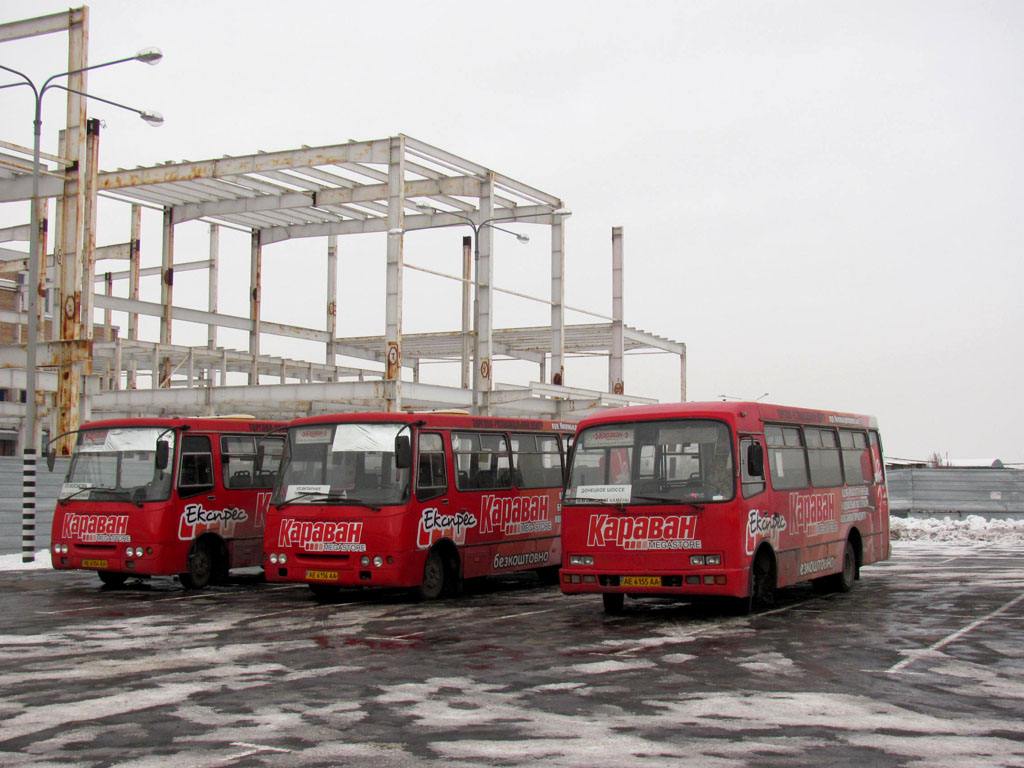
{"type": "Point", "coordinates": [537, 461]}
{"type": "Point", "coordinates": [786, 457]}
{"type": "Point", "coordinates": [856, 457]}
{"type": "Point", "coordinates": [196, 475]}
{"type": "Point", "coordinates": [752, 484]}
{"type": "Point", "coordinates": [238, 459]}
{"type": "Point", "coordinates": [431, 474]}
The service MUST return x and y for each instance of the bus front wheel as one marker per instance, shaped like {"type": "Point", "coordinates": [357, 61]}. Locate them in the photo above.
{"type": "Point", "coordinates": [201, 566]}
{"type": "Point", "coordinates": [433, 577]}
{"type": "Point", "coordinates": [112, 578]}
{"type": "Point", "coordinates": [614, 602]}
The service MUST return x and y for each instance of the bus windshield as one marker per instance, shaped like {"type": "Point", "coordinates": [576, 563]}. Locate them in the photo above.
{"type": "Point", "coordinates": [342, 464]}
{"type": "Point", "coordinates": [118, 464]}
{"type": "Point", "coordinates": [686, 461]}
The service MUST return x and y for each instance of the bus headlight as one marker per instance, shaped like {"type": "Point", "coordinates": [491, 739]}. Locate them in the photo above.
{"type": "Point", "coordinates": [697, 560]}
{"type": "Point", "coordinates": [365, 561]}
{"type": "Point", "coordinates": [273, 558]}
{"type": "Point", "coordinates": [282, 558]}
{"type": "Point", "coordinates": [139, 552]}
{"type": "Point", "coordinates": [378, 561]}
{"type": "Point", "coordinates": [713, 559]}
{"type": "Point", "coordinates": [581, 560]}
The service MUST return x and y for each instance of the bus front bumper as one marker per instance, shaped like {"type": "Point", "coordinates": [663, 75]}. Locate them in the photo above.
{"type": "Point", "coordinates": [703, 583]}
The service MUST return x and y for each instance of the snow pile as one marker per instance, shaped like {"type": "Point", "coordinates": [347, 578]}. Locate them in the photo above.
{"type": "Point", "coordinates": [13, 562]}
{"type": "Point", "coordinates": [973, 530]}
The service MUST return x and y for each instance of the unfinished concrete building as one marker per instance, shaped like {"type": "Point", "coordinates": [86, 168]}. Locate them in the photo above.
{"type": "Point", "coordinates": [90, 366]}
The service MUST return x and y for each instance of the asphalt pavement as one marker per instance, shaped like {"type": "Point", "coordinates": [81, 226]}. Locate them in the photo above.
{"type": "Point", "coordinates": [922, 664]}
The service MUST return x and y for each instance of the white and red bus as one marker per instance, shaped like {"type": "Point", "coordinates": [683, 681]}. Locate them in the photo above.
{"type": "Point", "coordinates": [722, 500]}
{"type": "Point", "coordinates": [165, 496]}
{"type": "Point", "coordinates": [418, 501]}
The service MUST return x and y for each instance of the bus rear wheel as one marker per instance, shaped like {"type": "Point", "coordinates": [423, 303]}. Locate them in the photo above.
{"type": "Point", "coordinates": [202, 566]}
{"type": "Point", "coordinates": [112, 578]}
{"type": "Point", "coordinates": [842, 581]}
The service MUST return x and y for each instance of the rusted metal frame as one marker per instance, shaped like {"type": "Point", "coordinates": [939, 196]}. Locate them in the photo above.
{"type": "Point", "coordinates": [50, 185]}
{"type": "Point", "coordinates": [40, 25]}
{"type": "Point", "coordinates": [558, 301]}
{"type": "Point", "coordinates": [72, 227]}
{"type": "Point", "coordinates": [393, 277]}
{"type": "Point", "coordinates": [616, 381]}
{"type": "Point", "coordinates": [332, 299]}
{"type": "Point", "coordinates": [255, 279]}
{"type": "Point", "coordinates": [371, 151]}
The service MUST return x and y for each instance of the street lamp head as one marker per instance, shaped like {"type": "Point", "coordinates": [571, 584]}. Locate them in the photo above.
{"type": "Point", "coordinates": [155, 119]}
{"type": "Point", "coordinates": [149, 55]}
{"type": "Point", "coordinates": [426, 208]}
{"type": "Point", "coordinates": [523, 238]}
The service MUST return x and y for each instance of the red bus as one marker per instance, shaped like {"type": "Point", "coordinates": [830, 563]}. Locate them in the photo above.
{"type": "Point", "coordinates": [157, 497]}
{"type": "Point", "coordinates": [722, 500]}
{"type": "Point", "coordinates": [418, 501]}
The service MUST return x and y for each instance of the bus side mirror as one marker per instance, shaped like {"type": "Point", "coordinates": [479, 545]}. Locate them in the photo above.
{"type": "Point", "coordinates": [162, 455]}
{"type": "Point", "coordinates": [403, 452]}
{"type": "Point", "coordinates": [51, 458]}
{"type": "Point", "coordinates": [755, 460]}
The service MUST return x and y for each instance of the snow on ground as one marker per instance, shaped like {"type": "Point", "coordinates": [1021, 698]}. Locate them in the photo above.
{"type": "Point", "coordinates": [13, 562]}
{"type": "Point", "coordinates": [973, 530]}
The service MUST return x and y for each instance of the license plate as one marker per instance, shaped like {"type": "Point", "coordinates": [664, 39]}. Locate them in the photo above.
{"type": "Point", "coordinates": [322, 575]}
{"type": "Point", "coordinates": [640, 581]}
{"type": "Point", "coordinates": [94, 563]}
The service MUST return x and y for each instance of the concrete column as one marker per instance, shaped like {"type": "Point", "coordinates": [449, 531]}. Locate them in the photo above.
{"type": "Point", "coordinates": [393, 301]}
{"type": "Point", "coordinates": [467, 331]}
{"type": "Point", "coordinates": [482, 373]}
{"type": "Point", "coordinates": [211, 288]}
{"type": "Point", "coordinates": [255, 290]}
{"type": "Point", "coordinates": [134, 259]}
{"type": "Point", "coordinates": [332, 298]}
{"type": "Point", "coordinates": [88, 252]}
{"type": "Point", "coordinates": [557, 301]}
{"type": "Point", "coordinates": [166, 294]}
{"type": "Point", "coordinates": [616, 382]}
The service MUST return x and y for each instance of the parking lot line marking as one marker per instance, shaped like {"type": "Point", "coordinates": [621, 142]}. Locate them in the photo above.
{"type": "Point", "coordinates": [252, 749]}
{"type": "Point", "coordinates": [913, 656]}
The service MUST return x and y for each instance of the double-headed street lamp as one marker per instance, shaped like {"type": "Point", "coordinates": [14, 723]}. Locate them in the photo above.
{"type": "Point", "coordinates": [148, 56]}
{"type": "Point", "coordinates": [476, 227]}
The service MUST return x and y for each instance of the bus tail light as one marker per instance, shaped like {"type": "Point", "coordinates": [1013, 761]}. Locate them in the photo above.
{"type": "Point", "coordinates": [571, 578]}
{"type": "Point", "coordinates": [693, 579]}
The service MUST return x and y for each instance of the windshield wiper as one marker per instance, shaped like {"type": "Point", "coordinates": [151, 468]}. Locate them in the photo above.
{"type": "Point", "coordinates": [119, 491]}
{"type": "Point", "coordinates": [669, 500]}
{"type": "Point", "coordinates": [593, 500]}
{"type": "Point", "coordinates": [333, 498]}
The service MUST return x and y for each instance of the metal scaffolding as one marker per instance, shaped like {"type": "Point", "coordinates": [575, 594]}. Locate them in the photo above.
{"type": "Point", "coordinates": [392, 186]}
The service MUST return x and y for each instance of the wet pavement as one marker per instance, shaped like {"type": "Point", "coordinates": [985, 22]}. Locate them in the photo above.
{"type": "Point", "coordinates": [921, 665]}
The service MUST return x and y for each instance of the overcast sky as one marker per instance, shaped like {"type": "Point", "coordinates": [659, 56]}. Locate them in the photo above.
{"type": "Point", "coordinates": [820, 199]}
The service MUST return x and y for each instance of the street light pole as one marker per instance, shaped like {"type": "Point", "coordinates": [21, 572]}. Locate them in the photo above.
{"type": "Point", "coordinates": [29, 444]}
